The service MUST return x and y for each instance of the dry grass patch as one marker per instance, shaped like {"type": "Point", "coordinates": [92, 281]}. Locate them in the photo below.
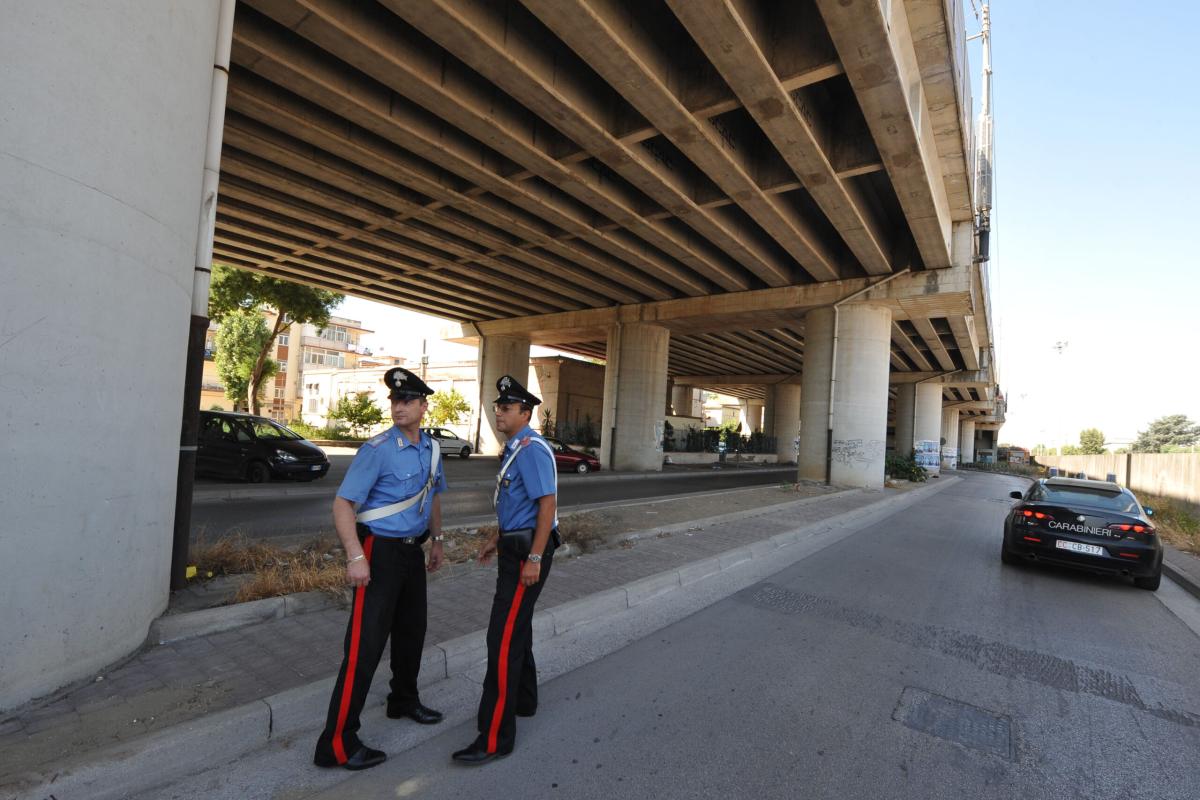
{"type": "Point", "coordinates": [319, 565]}
{"type": "Point", "coordinates": [1178, 523]}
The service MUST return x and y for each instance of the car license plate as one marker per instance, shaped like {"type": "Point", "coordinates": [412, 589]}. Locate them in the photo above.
{"type": "Point", "coordinates": [1075, 547]}
{"type": "Point", "coordinates": [315, 467]}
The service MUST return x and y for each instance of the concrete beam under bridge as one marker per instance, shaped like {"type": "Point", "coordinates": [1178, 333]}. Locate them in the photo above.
{"type": "Point", "coordinates": [916, 295]}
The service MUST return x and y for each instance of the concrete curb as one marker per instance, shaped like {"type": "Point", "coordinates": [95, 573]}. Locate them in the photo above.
{"type": "Point", "coordinates": [190, 624]}
{"type": "Point", "coordinates": [227, 495]}
{"type": "Point", "coordinates": [162, 757]}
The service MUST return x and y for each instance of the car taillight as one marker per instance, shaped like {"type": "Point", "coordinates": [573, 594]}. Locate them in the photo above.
{"type": "Point", "coordinates": [1132, 528]}
{"type": "Point", "coordinates": [1029, 513]}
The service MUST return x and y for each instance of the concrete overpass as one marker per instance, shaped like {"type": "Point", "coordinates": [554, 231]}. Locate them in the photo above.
{"type": "Point", "coordinates": [771, 196]}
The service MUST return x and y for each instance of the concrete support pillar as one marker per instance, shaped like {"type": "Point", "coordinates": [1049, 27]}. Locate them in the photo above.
{"type": "Point", "coordinates": [785, 420]}
{"type": "Point", "coordinates": [757, 417]}
{"type": "Point", "coordinates": [814, 394]}
{"type": "Point", "coordinates": [681, 400]}
{"type": "Point", "coordinates": [927, 427]}
{"type": "Point", "coordinates": [99, 219]}
{"type": "Point", "coordinates": [859, 375]}
{"type": "Point", "coordinates": [950, 434]}
{"type": "Point", "coordinates": [966, 442]}
{"type": "Point", "coordinates": [906, 409]}
{"type": "Point", "coordinates": [635, 388]}
{"type": "Point", "coordinates": [498, 356]}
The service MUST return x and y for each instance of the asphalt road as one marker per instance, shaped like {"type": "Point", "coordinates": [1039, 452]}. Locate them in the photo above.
{"type": "Point", "coordinates": [289, 509]}
{"type": "Point", "coordinates": [902, 662]}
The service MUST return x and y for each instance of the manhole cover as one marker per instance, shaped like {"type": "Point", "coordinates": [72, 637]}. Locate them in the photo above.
{"type": "Point", "coordinates": [955, 721]}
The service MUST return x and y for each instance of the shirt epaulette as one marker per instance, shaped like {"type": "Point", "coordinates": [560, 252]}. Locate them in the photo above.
{"type": "Point", "coordinates": [375, 441]}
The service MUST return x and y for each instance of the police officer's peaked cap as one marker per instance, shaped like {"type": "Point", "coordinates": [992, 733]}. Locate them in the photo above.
{"type": "Point", "coordinates": [511, 391]}
{"type": "Point", "coordinates": [404, 385]}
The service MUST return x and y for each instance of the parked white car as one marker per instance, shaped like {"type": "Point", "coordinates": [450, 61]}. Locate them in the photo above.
{"type": "Point", "coordinates": [450, 443]}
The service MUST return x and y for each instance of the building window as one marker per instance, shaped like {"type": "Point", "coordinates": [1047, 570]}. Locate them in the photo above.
{"type": "Point", "coordinates": [335, 333]}
{"type": "Point", "coordinates": [282, 365]}
{"type": "Point", "coordinates": [324, 358]}
{"type": "Point", "coordinates": [279, 394]}
{"type": "Point", "coordinates": [312, 405]}
{"type": "Point", "coordinates": [282, 340]}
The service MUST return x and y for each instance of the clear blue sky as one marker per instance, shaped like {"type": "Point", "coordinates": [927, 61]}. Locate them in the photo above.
{"type": "Point", "coordinates": [1096, 119]}
{"type": "Point", "coordinates": [1093, 244]}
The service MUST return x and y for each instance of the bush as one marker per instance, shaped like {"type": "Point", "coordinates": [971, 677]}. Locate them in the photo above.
{"type": "Point", "coordinates": [905, 468]}
{"type": "Point", "coordinates": [335, 432]}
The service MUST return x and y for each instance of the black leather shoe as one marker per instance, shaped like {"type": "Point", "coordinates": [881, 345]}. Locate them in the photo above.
{"type": "Point", "coordinates": [363, 758]}
{"type": "Point", "coordinates": [418, 713]}
{"type": "Point", "coordinates": [521, 712]}
{"type": "Point", "coordinates": [475, 756]}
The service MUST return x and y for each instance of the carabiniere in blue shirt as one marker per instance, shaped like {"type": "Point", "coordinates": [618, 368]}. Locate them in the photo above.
{"type": "Point", "coordinates": [387, 469]}
{"type": "Point", "coordinates": [530, 476]}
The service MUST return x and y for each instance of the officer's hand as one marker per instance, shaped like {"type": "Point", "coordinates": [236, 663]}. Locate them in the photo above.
{"type": "Point", "coordinates": [486, 550]}
{"type": "Point", "coordinates": [436, 557]}
{"type": "Point", "coordinates": [358, 573]}
{"type": "Point", "coordinates": [531, 573]}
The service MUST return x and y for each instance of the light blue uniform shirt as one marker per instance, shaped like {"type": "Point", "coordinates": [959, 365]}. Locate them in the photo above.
{"type": "Point", "coordinates": [532, 474]}
{"type": "Point", "coordinates": [388, 469]}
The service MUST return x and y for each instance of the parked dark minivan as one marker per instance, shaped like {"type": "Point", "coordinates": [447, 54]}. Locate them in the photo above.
{"type": "Point", "coordinates": [255, 449]}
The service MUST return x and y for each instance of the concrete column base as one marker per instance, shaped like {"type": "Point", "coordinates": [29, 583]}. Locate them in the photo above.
{"type": "Point", "coordinates": [857, 446]}
{"type": "Point", "coordinates": [785, 420]}
{"type": "Point", "coordinates": [498, 356]}
{"type": "Point", "coordinates": [927, 427]}
{"type": "Point", "coordinates": [635, 390]}
{"type": "Point", "coordinates": [966, 442]}
{"type": "Point", "coordinates": [950, 434]}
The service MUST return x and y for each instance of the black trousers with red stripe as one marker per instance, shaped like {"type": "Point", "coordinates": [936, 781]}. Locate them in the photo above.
{"type": "Point", "coordinates": [510, 687]}
{"type": "Point", "coordinates": [392, 605]}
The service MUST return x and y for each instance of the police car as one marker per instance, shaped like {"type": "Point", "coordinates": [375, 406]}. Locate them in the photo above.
{"type": "Point", "coordinates": [1093, 525]}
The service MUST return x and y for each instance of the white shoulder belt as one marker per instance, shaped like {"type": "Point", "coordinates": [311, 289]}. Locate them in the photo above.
{"type": "Point", "coordinates": [435, 459]}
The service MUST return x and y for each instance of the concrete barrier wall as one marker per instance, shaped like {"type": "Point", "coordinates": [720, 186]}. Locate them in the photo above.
{"type": "Point", "coordinates": [1174, 475]}
{"type": "Point", "coordinates": [102, 133]}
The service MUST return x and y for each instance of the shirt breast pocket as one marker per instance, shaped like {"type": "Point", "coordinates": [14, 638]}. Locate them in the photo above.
{"type": "Point", "coordinates": [408, 483]}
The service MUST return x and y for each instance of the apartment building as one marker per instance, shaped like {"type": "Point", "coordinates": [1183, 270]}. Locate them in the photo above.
{"type": "Point", "coordinates": [300, 349]}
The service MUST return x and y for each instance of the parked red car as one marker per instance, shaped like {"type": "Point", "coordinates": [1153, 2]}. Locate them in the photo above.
{"type": "Point", "coordinates": [568, 460]}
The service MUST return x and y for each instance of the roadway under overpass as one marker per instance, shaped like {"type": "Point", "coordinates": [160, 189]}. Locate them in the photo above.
{"type": "Point", "coordinates": [774, 197]}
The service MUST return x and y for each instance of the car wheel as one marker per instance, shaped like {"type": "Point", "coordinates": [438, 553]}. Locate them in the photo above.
{"type": "Point", "coordinates": [258, 472]}
{"type": "Point", "coordinates": [464, 453]}
{"type": "Point", "coordinates": [1150, 583]}
{"type": "Point", "coordinates": [582, 468]}
{"type": "Point", "coordinates": [1006, 555]}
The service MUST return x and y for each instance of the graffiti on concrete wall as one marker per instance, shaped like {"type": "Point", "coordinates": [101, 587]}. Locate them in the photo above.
{"type": "Point", "coordinates": [857, 451]}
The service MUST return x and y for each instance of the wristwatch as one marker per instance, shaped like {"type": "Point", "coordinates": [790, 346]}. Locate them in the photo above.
{"type": "Point", "coordinates": [438, 537]}
{"type": "Point", "coordinates": [535, 559]}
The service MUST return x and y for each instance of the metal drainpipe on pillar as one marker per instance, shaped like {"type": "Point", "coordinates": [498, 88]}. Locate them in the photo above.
{"type": "Point", "coordinates": [612, 431]}
{"type": "Point", "coordinates": [833, 368]}
{"type": "Point", "coordinates": [201, 279]}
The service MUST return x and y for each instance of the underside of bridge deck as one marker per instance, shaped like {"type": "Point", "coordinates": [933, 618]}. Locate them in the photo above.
{"type": "Point", "coordinates": [491, 160]}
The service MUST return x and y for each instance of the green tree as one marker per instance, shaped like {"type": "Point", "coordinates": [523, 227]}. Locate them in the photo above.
{"type": "Point", "coordinates": [359, 411]}
{"type": "Point", "coordinates": [236, 290]}
{"type": "Point", "coordinates": [1175, 430]}
{"type": "Point", "coordinates": [1091, 441]}
{"type": "Point", "coordinates": [446, 408]}
{"type": "Point", "coordinates": [1071, 450]}
{"type": "Point", "coordinates": [240, 340]}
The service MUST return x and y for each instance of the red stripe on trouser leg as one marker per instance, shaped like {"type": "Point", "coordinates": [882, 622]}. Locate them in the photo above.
{"type": "Point", "coordinates": [502, 667]}
{"type": "Point", "coordinates": [339, 747]}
